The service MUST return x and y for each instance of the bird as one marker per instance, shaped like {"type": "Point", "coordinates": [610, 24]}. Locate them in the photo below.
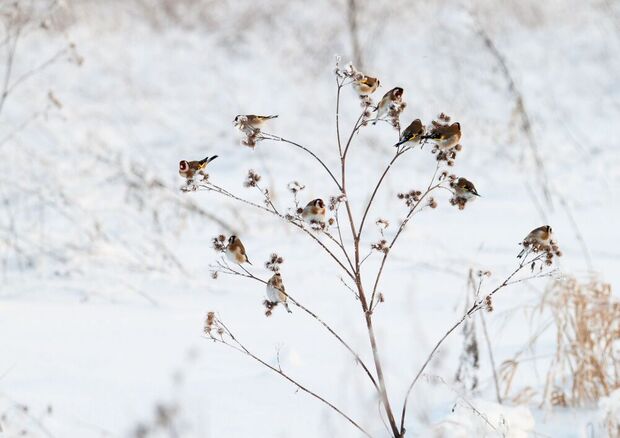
{"type": "Point", "coordinates": [445, 136]}
{"type": "Point", "coordinates": [187, 169]}
{"type": "Point", "coordinates": [465, 189]}
{"type": "Point", "coordinates": [538, 237]}
{"type": "Point", "coordinates": [314, 212]}
{"type": "Point", "coordinates": [413, 132]}
{"type": "Point", "coordinates": [395, 95]}
{"type": "Point", "coordinates": [276, 292]}
{"type": "Point", "coordinates": [251, 121]}
{"type": "Point", "coordinates": [366, 85]}
{"type": "Point", "coordinates": [235, 251]}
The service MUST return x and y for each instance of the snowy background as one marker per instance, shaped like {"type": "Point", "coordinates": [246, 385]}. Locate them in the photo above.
{"type": "Point", "coordinates": [105, 278]}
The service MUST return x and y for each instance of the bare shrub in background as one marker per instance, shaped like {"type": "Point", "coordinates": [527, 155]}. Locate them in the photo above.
{"type": "Point", "coordinates": [342, 235]}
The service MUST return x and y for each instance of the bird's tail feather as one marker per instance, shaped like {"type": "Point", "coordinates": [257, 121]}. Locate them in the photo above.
{"type": "Point", "coordinates": [401, 142]}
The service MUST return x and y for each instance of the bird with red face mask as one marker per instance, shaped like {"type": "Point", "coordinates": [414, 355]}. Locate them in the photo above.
{"type": "Point", "coordinates": [189, 169]}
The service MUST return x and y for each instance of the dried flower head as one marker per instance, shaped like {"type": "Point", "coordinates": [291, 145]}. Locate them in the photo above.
{"type": "Point", "coordinates": [411, 197]}
{"type": "Point", "coordinates": [335, 201]}
{"type": "Point", "coordinates": [219, 243]}
{"type": "Point", "coordinates": [269, 307]}
{"type": "Point", "coordinates": [382, 224]}
{"type": "Point", "coordinates": [488, 303]}
{"type": "Point", "coordinates": [274, 262]}
{"type": "Point", "coordinates": [295, 187]}
{"type": "Point", "coordinates": [251, 179]}
{"type": "Point", "coordinates": [381, 246]}
{"type": "Point", "coordinates": [210, 323]}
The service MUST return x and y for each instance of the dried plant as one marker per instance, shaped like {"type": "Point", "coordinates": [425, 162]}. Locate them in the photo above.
{"type": "Point", "coordinates": [347, 255]}
{"type": "Point", "coordinates": [586, 366]}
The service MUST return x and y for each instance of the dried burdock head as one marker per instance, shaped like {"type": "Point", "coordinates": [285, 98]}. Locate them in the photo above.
{"type": "Point", "coordinates": [432, 203]}
{"type": "Point", "coordinates": [444, 118]}
{"type": "Point", "coordinates": [411, 197]}
{"type": "Point", "coordinates": [269, 307]}
{"type": "Point", "coordinates": [482, 273]}
{"type": "Point", "coordinates": [267, 197]}
{"type": "Point", "coordinates": [214, 275]}
{"type": "Point", "coordinates": [318, 226]}
{"type": "Point", "coordinates": [393, 116]}
{"type": "Point", "coordinates": [252, 179]}
{"type": "Point", "coordinates": [295, 187]}
{"type": "Point", "coordinates": [331, 221]}
{"type": "Point", "coordinates": [488, 303]}
{"type": "Point", "coordinates": [459, 202]}
{"type": "Point", "coordinates": [335, 201]}
{"type": "Point", "coordinates": [210, 323]}
{"type": "Point", "coordinates": [274, 262]}
{"type": "Point", "coordinates": [349, 72]}
{"type": "Point", "coordinates": [219, 243]}
{"type": "Point", "coordinates": [366, 102]}
{"type": "Point", "coordinates": [381, 246]}
{"type": "Point", "coordinates": [220, 331]}
{"type": "Point", "coordinates": [383, 224]}
{"type": "Point", "coordinates": [289, 217]}
{"type": "Point", "coordinates": [299, 210]}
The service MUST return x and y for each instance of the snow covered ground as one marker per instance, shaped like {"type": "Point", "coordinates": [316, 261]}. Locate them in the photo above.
{"type": "Point", "coordinates": [105, 279]}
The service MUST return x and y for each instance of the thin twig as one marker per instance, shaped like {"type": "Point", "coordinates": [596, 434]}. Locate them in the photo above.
{"type": "Point", "coordinates": [241, 348]}
{"type": "Point", "coordinates": [479, 304]}
{"type": "Point", "coordinates": [247, 274]}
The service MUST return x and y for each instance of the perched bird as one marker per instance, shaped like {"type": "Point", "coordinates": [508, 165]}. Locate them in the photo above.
{"type": "Point", "coordinates": [235, 251]}
{"type": "Point", "coordinates": [395, 95]}
{"type": "Point", "coordinates": [413, 132]}
{"type": "Point", "coordinates": [243, 122]}
{"type": "Point", "coordinates": [366, 85]}
{"type": "Point", "coordinates": [538, 237]}
{"type": "Point", "coordinates": [276, 292]}
{"type": "Point", "coordinates": [465, 189]}
{"type": "Point", "coordinates": [445, 136]}
{"type": "Point", "coordinates": [314, 212]}
{"type": "Point", "coordinates": [187, 169]}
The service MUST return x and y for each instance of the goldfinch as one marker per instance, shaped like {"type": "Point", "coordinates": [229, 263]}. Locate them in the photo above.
{"type": "Point", "coordinates": [235, 251]}
{"type": "Point", "coordinates": [243, 122]}
{"type": "Point", "coordinates": [187, 169]}
{"type": "Point", "coordinates": [276, 292]}
{"type": "Point", "coordinates": [366, 85]}
{"type": "Point", "coordinates": [463, 188]}
{"type": "Point", "coordinates": [538, 237]}
{"type": "Point", "coordinates": [314, 212]}
{"type": "Point", "coordinates": [445, 136]}
{"type": "Point", "coordinates": [413, 132]}
{"type": "Point", "coordinates": [394, 96]}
